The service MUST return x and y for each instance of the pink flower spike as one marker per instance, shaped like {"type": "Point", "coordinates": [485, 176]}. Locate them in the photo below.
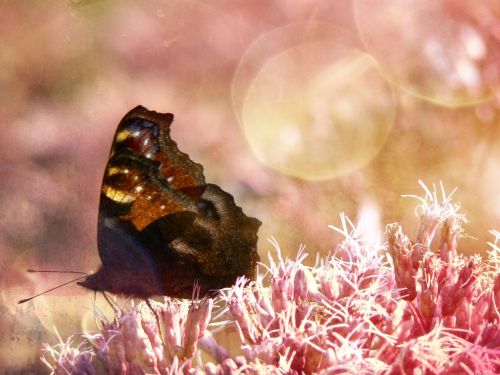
{"type": "Point", "coordinates": [401, 250]}
{"type": "Point", "coordinates": [403, 309]}
{"type": "Point", "coordinates": [197, 320]}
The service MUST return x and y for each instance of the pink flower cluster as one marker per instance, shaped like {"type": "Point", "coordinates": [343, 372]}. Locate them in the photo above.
{"type": "Point", "coordinates": [132, 343]}
{"type": "Point", "coordinates": [406, 307]}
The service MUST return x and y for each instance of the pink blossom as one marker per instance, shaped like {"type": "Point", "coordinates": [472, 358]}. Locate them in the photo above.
{"type": "Point", "coordinates": [365, 309]}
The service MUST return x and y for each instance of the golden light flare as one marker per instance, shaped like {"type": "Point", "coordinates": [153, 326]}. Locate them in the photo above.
{"type": "Point", "coordinates": [424, 51]}
{"type": "Point", "coordinates": [317, 110]}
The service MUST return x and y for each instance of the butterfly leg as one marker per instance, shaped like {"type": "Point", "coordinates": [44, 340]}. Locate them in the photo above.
{"type": "Point", "coordinates": [113, 304]}
{"type": "Point", "coordinates": [157, 323]}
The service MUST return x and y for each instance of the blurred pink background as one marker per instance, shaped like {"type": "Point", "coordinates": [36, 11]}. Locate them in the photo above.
{"type": "Point", "coordinates": [300, 109]}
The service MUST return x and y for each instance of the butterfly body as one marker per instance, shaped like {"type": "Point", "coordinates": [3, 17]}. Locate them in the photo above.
{"type": "Point", "coordinates": [161, 228]}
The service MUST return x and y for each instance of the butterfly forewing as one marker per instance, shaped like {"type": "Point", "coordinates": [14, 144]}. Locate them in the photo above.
{"type": "Point", "coordinates": [148, 133]}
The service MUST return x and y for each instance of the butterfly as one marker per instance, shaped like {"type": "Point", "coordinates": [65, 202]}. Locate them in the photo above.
{"type": "Point", "coordinates": [161, 227]}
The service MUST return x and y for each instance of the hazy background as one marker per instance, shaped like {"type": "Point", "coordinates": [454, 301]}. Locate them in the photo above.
{"type": "Point", "coordinates": [301, 109]}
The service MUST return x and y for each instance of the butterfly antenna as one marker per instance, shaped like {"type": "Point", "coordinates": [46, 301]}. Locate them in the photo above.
{"type": "Point", "coordinates": [50, 290]}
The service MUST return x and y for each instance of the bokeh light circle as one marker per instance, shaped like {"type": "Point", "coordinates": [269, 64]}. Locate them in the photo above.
{"type": "Point", "coordinates": [423, 50]}
{"type": "Point", "coordinates": [315, 109]}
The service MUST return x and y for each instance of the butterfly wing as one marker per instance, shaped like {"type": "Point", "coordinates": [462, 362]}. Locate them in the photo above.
{"type": "Point", "coordinates": [147, 176]}
{"type": "Point", "coordinates": [161, 228]}
{"type": "Point", "coordinates": [148, 134]}
{"type": "Point", "coordinates": [219, 246]}
{"type": "Point", "coordinates": [126, 267]}
{"type": "Point", "coordinates": [147, 180]}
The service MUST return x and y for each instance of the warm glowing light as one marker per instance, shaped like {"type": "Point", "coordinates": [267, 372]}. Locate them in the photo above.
{"type": "Point", "coordinates": [317, 109]}
{"type": "Point", "coordinates": [423, 50]}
